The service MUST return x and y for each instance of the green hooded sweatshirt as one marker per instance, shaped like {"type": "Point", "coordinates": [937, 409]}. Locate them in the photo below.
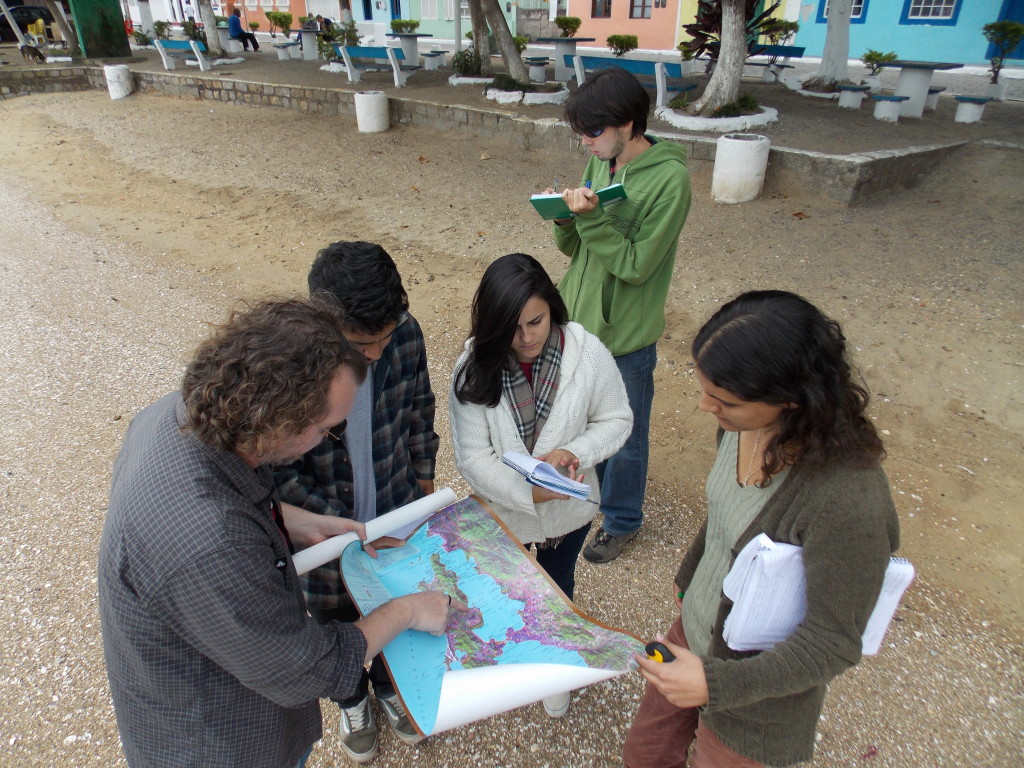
{"type": "Point", "coordinates": [623, 254]}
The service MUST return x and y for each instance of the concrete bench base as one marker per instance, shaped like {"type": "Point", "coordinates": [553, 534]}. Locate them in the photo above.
{"type": "Point", "coordinates": [888, 107]}
{"type": "Point", "coordinates": [850, 97]}
{"type": "Point", "coordinates": [970, 108]}
{"type": "Point", "coordinates": [931, 102]}
{"type": "Point", "coordinates": [433, 60]}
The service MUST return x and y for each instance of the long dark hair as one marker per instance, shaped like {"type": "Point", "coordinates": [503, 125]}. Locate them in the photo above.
{"type": "Point", "coordinates": [775, 347]}
{"type": "Point", "coordinates": [508, 283]}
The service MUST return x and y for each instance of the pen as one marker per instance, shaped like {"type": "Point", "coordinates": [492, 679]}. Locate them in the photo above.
{"type": "Point", "coordinates": [659, 652]}
{"type": "Point", "coordinates": [554, 186]}
{"type": "Point", "coordinates": [588, 183]}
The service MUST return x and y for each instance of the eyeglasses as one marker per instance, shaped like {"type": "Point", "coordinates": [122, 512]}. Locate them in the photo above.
{"type": "Point", "coordinates": [325, 432]}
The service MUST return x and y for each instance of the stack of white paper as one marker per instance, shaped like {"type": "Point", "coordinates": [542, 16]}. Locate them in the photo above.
{"type": "Point", "coordinates": [542, 474]}
{"type": "Point", "coordinates": [769, 594]}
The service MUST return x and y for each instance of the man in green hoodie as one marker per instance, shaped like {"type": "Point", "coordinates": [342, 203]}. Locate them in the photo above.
{"type": "Point", "coordinates": [621, 266]}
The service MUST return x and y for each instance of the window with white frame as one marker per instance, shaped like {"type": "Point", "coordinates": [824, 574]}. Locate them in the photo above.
{"type": "Point", "coordinates": [931, 9]}
{"type": "Point", "coordinates": [428, 9]}
{"type": "Point", "coordinates": [933, 12]}
{"type": "Point", "coordinates": [856, 9]}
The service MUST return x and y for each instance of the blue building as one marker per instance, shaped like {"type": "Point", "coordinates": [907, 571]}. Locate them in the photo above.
{"type": "Point", "coordinates": [924, 30]}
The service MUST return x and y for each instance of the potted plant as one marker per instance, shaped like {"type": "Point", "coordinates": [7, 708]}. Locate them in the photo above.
{"type": "Point", "coordinates": [874, 61]}
{"type": "Point", "coordinates": [568, 24]}
{"type": "Point", "coordinates": [253, 26]}
{"type": "Point", "coordinates": [622, 44]}
{"type": "Point", "coordinates": [404, 26]}
{"type": "Point", "coordinates": [779, 32]}
{"type": "Point", "coordinates": [1004, 36]}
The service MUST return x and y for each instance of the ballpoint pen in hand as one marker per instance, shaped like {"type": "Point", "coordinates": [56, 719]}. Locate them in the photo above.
{"type": "Point", "coordinates": [554, 185]}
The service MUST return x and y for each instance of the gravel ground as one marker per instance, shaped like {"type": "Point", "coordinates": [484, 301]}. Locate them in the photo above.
{"type": "Point", "coordinates": [119, 247]}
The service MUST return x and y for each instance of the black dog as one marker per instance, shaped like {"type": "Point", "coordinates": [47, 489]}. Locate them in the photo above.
{"type": "Point", "coordinates": [32, 55]}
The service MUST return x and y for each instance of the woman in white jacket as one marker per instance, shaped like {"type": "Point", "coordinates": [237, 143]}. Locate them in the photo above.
{"type": "Point", "coordinates": [531, 382]}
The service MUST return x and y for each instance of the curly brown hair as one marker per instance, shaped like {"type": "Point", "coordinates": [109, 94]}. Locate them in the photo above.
{"type": "Point", "coordinates": [264, 374]}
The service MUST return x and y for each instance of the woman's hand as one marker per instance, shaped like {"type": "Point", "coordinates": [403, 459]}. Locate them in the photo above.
{"type": "Point", "coordinates": [562, 459]}
{"type": "Point", "coordinates": [682, 681]}
{"type": "Point", "coordinates": [543, 494]}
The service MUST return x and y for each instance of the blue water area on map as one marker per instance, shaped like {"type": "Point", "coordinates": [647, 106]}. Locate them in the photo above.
{"type": "Point", "coordinates": [531, 651]}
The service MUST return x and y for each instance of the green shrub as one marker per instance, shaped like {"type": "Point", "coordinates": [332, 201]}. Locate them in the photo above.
{"type": "Point", "coordinates": [521, 41]}
{"type": "Point", "coordinates": [404, 26]}
{"type": "Point", "coordinates": [682, 101]}
{"type": "Point", "coordinates": [1005, 36]}
{"type": "Point", "coordinates": [466, 63]}
{"type": "Point", "coordinates": [162, 29]}
{"type": "Point", "coordinates": [254, 25]}
{"type": "Point", "coordinates": [279, 21]}
{"type": "Point", "coordinates": [874, 60]}
{"type": "Point", "coordinates": [348, 34]}
{"type": "Point", "coordinates": [193, 31]}
{"type": "Point", "coordinates": [505, 82]}
{"type": "Point", "coordinates": [568, 24]}
{"type": "Point", "coordinates": [141, 38]}
{"type": "Point", "coordinates": [748, 103]}
{"type": "Point", "coordinates": [622, 44]}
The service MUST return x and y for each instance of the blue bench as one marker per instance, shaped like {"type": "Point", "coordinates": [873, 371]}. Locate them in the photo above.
{"type": "Point", "coordinates": [661, 71]}
{"type": "Point", "coordinates": [290, 50]}
{"type": "Point", "coordinates": [970, 108]}
{"type": "Point", "coordinates": [433, 59]}
{"type": "Point", "coordinates": [887, 106]}
{"type": "Point", "coordinates": [168, 49]}
{"type": "Point", "coordinates": [379, 56]}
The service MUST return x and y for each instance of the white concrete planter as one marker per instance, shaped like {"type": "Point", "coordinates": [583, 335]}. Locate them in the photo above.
{"type": "Point", "coordinates": [372, 111]}
{"type": "Point", "coordinates": [119, 80]}
{"type": "Point", "coordinates": [740, 163]}
{"type": "Point", "coordinates": [716, 124]}
{"type": "Point", "coordinates": [997, 91]}
{"type": "Point", "coordinates": [504, 97]}
{"type": "Point", "coordinates": [458, 80]}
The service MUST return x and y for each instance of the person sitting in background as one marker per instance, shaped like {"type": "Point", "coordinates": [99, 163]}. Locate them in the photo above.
{"type": "Point", "coordinates": [531, 382]}
{"type": "Point", "coordinates": [235, 31]}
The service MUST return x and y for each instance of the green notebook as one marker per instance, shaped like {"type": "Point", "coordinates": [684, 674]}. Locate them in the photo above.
{"type": "Point", "coordinates": [554, 207]}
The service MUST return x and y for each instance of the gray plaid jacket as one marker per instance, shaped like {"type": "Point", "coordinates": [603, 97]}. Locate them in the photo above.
{"type": "Point", "coordinates": [211, 656]}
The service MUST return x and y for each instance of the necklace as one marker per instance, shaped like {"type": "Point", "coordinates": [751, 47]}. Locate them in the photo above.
{"type": "Point", "coordinates": [753, 456]}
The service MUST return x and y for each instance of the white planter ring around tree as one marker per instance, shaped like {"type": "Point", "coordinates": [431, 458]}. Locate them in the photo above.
{"type": "Point", "coordinates": [741, 160]}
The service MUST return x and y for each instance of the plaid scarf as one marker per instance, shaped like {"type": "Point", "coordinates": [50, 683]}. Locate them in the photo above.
{"type": "Point", "coordinates": [531, 406]}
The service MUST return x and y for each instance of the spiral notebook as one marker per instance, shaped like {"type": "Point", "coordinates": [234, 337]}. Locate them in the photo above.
{"type": "Point", "coordinates": [769, 594]}
{"type": "Point", "coordinates": [542, 474]}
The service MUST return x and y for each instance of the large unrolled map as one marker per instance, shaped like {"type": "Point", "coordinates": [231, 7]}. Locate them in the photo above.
{"type": "Point", "coordinates": [521, 640]}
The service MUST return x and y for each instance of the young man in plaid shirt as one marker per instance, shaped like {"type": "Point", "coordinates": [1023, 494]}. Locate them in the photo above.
{"type": "Point", "coordinates": [381, 458]}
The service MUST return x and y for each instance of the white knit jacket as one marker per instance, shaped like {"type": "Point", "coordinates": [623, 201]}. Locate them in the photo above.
{"type": "Point", "coordinates": [590, 417]}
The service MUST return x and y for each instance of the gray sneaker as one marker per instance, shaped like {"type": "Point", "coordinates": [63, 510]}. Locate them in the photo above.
{"type": "Point", "coordinates": [605, 547]}
{"type": "Point", "coordinates": [359, 732]}
{"type": "Point", "coordinates": [395, 712]}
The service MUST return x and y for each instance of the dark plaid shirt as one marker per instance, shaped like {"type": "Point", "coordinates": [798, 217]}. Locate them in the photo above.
{"type": "Point", "coordinates": [211, 656]}
{"type": "Point", "coordinates": [404, 449]}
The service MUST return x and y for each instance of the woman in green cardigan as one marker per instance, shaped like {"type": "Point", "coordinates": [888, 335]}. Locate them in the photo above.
{"type": "Point", "coordinates": [798, 461]}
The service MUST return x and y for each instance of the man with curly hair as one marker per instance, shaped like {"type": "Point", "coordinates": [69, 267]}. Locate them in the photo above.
{"type": "Point", "coordinates": [382, 459]}
{"type": "Point", "coordinates": [211, 656]}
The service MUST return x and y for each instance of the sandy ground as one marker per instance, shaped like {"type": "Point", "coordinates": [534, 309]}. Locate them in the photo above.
{"type": "Point", "coordinates": [129, 225]}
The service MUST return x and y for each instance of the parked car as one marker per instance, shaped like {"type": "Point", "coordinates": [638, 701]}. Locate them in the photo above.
{"type": "Point", "coordinates": [23, 16]}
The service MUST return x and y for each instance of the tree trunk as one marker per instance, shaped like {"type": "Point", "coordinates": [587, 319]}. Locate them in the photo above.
{"type": "Point", "coordinates": [209, 19]}
{"type": "Point", "coordinates": [834, 67]}
{"type": "Point", "coordinates": [514, 63]}
{"type": "Point", "coordinates": [480, 39]}
{"type": "Point", "coordinates": [724, 85]}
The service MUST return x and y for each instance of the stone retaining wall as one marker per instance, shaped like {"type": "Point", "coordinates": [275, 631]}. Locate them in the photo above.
{"type": "Point", "coordinates": [844, 179]}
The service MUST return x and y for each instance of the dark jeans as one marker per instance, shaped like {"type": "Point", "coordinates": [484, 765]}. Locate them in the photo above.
{"type": "Point", "coordinates": [378, 674]}
{"type": "Point", "coordinates": [246, 38]}
{"type": "Point", "coordinates": [560, 562]}
{"type": "Point", "coordinates": [623, 477]}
